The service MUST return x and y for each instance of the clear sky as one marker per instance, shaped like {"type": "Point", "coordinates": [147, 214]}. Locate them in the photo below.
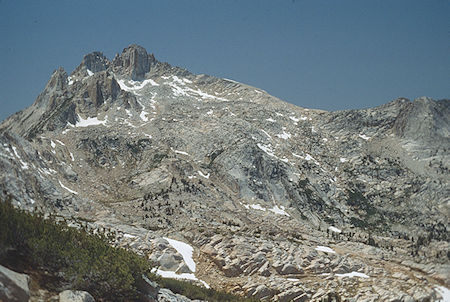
{"type": "Point", "coordinates": [326, 54]}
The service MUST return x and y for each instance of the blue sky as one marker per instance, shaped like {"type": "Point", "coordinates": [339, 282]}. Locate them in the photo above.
{"type": "Point", "coordinates": [332, 55]}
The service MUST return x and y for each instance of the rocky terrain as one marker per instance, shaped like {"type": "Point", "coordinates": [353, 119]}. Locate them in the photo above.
{"type": "Point", "coordinates": [225, 185]}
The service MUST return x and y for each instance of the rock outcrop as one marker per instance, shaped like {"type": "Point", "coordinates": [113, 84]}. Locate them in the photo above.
{"type": "Point", "coordinates": [13, 286]}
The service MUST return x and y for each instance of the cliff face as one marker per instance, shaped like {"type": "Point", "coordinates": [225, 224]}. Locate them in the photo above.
{"type": "Point", "coordinates": [277, 201]}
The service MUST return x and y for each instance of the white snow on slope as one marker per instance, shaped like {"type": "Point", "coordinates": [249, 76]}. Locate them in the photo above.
{"type": "Point", "coordinates": [266, 133]}
{"type": "Point", "coordinates": [143, 116]}
{"type": "Point", "coordinates": [23, 164]}
{"type": "Point", "coordinates": [203, 175]}
{"type": "Point", "coordinates": [71, 156]}
{"type": "Point", "coordinates": [267, 149]}
{"type": "Point", "coordinates": [293, 118]}
{"type": "Point", "coordinates": [324, 249]}
{"type": "Point", "coordinates": [296, 155]}
{"type": "Point", "coordinates": [334, 229]}
{"type": "Point", "coordinates": [444, 292]}
{"type": "Point", "coordinates": [181, 152]}
{"type": "Point", "coordinates": [270, 120]}
{"type": "Point", "coordinates": [135, 84]}
{"type": "Point", "coordinates": [257, 207]}
{"type": "Point", "coordinates": [52, 143]}
{"type": "Point", "coordinates": [187, 91]}
{"type": "Point", "coordinates": [363, 136]}
{"type": "Point", "coordinates": [309, 157]}
{"type": "Point", "coordinates": [279, 210]}
{"type": "Point", "coordinates": [90, 73]}
{"type": "Point", "coordinates": [185, 250]}
{"type": "Point", "coordinates": [343, 159]}
{"type": "Point", "coordinates": [183, 276]}
{"type": "Point", "coordinates": [64, 187]}
{"type": "Point", "coordinates": [229, 80]}
{"type": "Point", "coordinates": [90, 121]}
{"type": "Point", "coordinates": [353, 274]}
{"type": "Point", "coordinates": [285, 135]}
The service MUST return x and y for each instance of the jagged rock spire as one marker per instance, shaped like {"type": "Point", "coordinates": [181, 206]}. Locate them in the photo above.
{"type": "Point", "coordinates": [135, 61]}
{"type": "Point", "coordinates": [95, 61]}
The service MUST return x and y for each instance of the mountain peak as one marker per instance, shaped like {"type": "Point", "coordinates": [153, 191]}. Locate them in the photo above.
{"type": "Point", "coordinates": [135, 61]}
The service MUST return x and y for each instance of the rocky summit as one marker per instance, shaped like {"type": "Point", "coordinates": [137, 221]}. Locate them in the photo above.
{"type": "Point", "coordinates": [225, 185]}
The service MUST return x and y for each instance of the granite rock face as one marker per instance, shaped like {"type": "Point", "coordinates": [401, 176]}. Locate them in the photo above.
{"type": "Point", "coordinates": [276, 201]}
{"type": "Point", "coordinates": [13, 286]}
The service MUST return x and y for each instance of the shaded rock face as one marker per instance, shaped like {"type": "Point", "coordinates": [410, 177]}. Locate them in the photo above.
{"type": "Point", "coordinates": [13, 286]}
{"type": "Point", "coordinates": [95, 62]}
{"type": "Point", "coordinates": [266, 193]}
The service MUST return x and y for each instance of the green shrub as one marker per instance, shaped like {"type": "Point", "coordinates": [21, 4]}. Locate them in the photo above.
{"type": "Point", "coordinates": [87, 261]}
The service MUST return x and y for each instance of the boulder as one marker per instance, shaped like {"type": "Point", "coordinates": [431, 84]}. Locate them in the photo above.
{"type": "Point", "coordinates": [13, 286]}
{"type": "Point", "coordinates": [75, 296]}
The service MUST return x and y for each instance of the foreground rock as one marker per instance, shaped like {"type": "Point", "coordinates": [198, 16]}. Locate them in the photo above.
{"type": "Point", "coordinates": [13, 286]}
{"type": "Point", "coordinates": [75, 296]}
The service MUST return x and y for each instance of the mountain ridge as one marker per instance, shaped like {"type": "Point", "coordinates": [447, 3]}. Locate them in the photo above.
{"type": "Point", "coordinates": [144, 147]}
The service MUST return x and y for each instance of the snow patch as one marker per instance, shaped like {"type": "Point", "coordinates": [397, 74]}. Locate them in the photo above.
{"type": "Point", "coordinates": [255, 207]}
{"type": "Point", "coordinates": [270, 120]}
{"type": "Point", "coordinates": [64, 187]}
{"type": "Point", "coordinates": [232, 81]}
{"type": "Point", "coordinates": [363, 136]}
{"type": "Point", "coordinates": [309, 157]}
{"type": "Point", "coordinates": [23, 164]}
{"type": "Point", "coordinates": [135, 85]}
{"type": "Point", "coordinates": [203, 175]}
{"type": "Point", "coordinates": [181, 152]}
{"type": "Point", "coordinates": [266, 149]}
{"type": "Point", "coordinates": [353, 274]}
{"type": "Point", "coordinates": [90, 73]}
{"type": "Point", "coordinates": [183, 276]}
{"type": "Point", "coordinates": [279, 210]}
{"type": "Point", "coordinates": [293, 118]}
{"type": "Point", "coordinates": [343, 159]}
{"type": "Point", "coordinates": [52, 143]}
{"type": "Point", "coordinates": [325, 249]}
{"type": "Point", "coordinates": [185, 250]}
{"type": "Point", "coordinates": [266, 133]}
{"type": "Point", "coordinates": [285, 135]}
{"type": "Point", "coordinates": [71, 156]}
{"type": "Point", "coordinates": [444, 292]}
{"type": "Point", "coordinates": [334, 229]}
{"type": "Point", "coordinates": [90, 121]}
{"type": "Point", "coordinates": [143, 116]}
